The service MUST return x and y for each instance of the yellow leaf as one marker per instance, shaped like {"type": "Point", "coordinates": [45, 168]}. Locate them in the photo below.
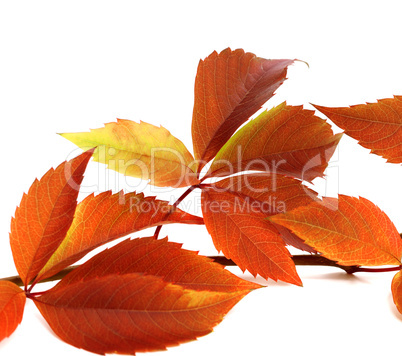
{"type": "Point", "coordinates": [140, 150]}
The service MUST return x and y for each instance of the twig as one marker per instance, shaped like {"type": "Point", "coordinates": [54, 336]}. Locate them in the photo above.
{"type": "Point", "coordinates": [299, 260]}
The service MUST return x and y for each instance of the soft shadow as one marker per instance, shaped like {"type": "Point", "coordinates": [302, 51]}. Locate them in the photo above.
{"type": "Point", "coordinates": [250, 278]}
{"type": "Point", "coordinates": [337, 276]}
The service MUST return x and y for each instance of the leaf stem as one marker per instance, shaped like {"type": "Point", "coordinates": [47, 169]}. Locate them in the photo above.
{"type": "Point", "coordinates": [374, 270]}
{"type": "Point", "coordinates": [33, 295]}
{"type": "Point", "coordinates": [299, 260]}
{"type": "Point", "coordinates": [17, 280]}
{"type": "Point", "coordinates": [174, 205]}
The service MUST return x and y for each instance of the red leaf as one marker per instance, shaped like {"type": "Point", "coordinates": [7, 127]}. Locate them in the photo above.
{"type": "Point", "coordinates": [278, 193]}
{"type": "Point", "coordinates": [12, 304]}
{"type": "Point", "coordinates": [239, 228]}
{"type": "Point", "coordinates": [104, 307]}
{"type": "Point", "coordinates": [351, 231]}
{"type": "Point", "coordinates": [44, 216]}
{"type": "Point", "coordinates": [396, 288]}
{"type": "Point", "coordinates": [106, 217]}
{"type": "Point", "coordinates": [163, 259]}
{"type": "Point", "coordinates": [229, 88]}
{"type": "Point", "coordinates": [287, 140]}
{"type": "Point", "coordinates": [377, 126]}
{"type": "Point", "coordinates": [275, 194]}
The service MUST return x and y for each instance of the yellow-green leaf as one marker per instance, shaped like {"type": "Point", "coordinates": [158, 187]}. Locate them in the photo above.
{"type": "Point", "coordinates": [140, 150]}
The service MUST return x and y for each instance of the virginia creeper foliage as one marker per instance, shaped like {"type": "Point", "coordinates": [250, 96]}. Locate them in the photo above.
{"type": "Point", "coordinates": [229, 88]}
{"type": "Point", "coordinates": [161, 295]}
{"type": "Point", "coordinates": [147, 294]}
{"type": "Point", "coordinates": [152, 152]}
{"type": "Point", "coordinates": [44, 216]}
{"type": "Point", "coordinates": [368, 239]}
{"type": "Point", "coordinates": [12, 303]}
{"type": "Point", "coordinates": [376, 126]}
{"type": "Point", "coordinates": [261, 145]}
{"type": "Point", "coordinates": [106, 217]}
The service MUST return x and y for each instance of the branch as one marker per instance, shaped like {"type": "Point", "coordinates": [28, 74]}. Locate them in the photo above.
{"type": "Point", "coordinates": [17, 280]}
{"type": "Point", "coordinates": [317, 260]}
{"type": "Point", "coordinates": [299, 260]}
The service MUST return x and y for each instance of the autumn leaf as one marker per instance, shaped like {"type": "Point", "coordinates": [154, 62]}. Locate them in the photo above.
{"type": "Point", "coordinates": [239, 229]}
{"type": "Point", "coordinates": [114, 303]}
{"type": "Point", "coordinates": [12, 304]}
{"type": "Point", "coordinates": [274, 193]}
{"type": "Point", "coordinates": [106, 217]}
{"type": "Point", "coordinates": [132, 313]}
{"type": "Point", "coordinates": [396, 288]}
{"type": "Point", "coordinates": [278, 193]}
{"type": "Point", "coordinates": [291, 239]}
{"type": "Point", "coordinates": [45, 215]}
{"type": "Point", "coordinates": [286, 139]}
{"type": "Point", "coordinates": [377, 126]}
{"type": "Point", "coordinates": [229, 88]}
{"type": "Point", "coordinates": [140, 150]}
{"type": "Point", "coordinates": [163, 259]}
{"type": "Point", "coordinates": [352, 231]}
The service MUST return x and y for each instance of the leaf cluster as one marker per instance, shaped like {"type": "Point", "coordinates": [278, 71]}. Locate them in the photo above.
{"type": "Point", "coordinates": [148, 294]}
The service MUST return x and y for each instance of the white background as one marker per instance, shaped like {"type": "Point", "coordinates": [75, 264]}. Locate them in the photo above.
{"type": "Point", "coordinates": [71, 66]}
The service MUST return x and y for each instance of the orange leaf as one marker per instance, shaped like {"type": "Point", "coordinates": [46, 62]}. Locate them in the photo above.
{"type": "Point", "coordinates": [44, 216]}
{"type": "Point", "coordinates": [396, 288]}
{"type": "Point", "coordinates": [275, 194]}
{"type": "Point", "coordinates": [104, 306]}
{"type": "Point", "coordinates": [12, 304]}
{"type": "Point", "coordinates": [377, 126]}
{"type": "Point", "coordinates": [287, 140]}
{"type": "Point", "coordinates": [239, 229]}
{"type": "Point", "coordinates": [106, 217]}
{"type": "Point", "coordinates": [278, 193]}
{"type": "Point", "coordinates": [352, 231]}
{"type": "Point", "coordinates": [163, 259]}
{"type": "Point", "coordinates": [132, 313]}
{"type": "Point", "coordinates": [229, 88]}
